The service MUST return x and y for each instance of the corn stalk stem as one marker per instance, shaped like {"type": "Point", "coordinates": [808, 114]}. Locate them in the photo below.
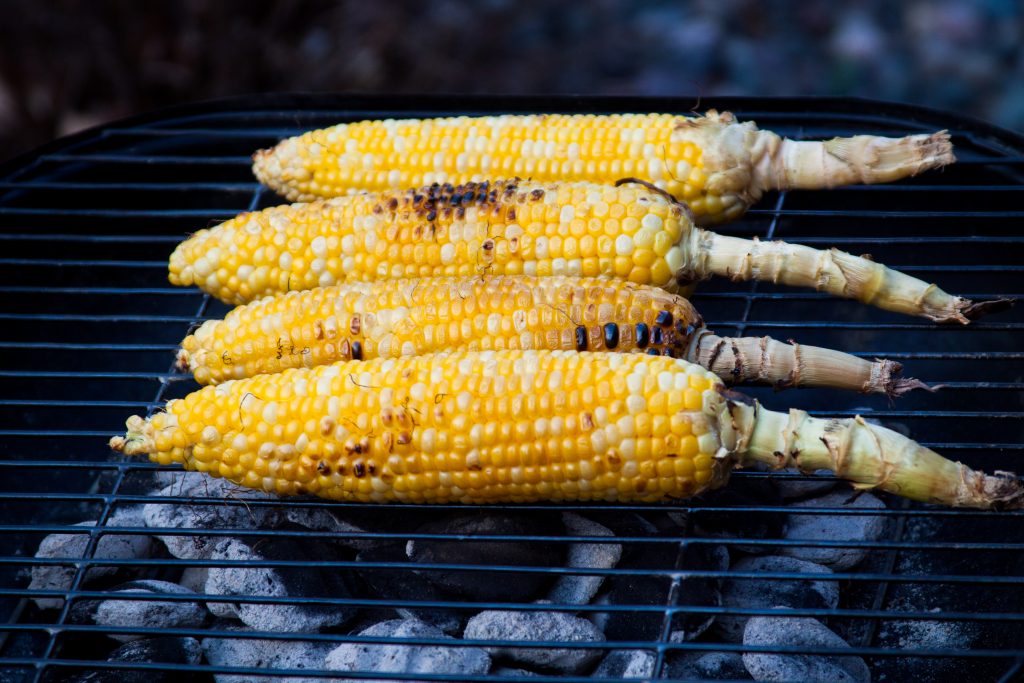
{"type": "Point", "coordinates": [867, 455]}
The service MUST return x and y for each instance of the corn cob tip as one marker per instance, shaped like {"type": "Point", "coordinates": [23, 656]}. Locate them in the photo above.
{"type": "Point", "coordinates": [138, 440]}
{"type": "Point", "coordinates": [897, 386]}
{"type": "Point", "coordinates": [972, 310]}
{"type": "Point", "coordinates": [997, 491]}
{"type": "Point", "coordinates": [181, 361]}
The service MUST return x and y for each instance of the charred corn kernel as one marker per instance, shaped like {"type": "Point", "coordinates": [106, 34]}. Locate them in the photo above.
{"type": "Point", "coordinates": [482, 229]}
{"type": "Point", "coordinates": [480, 457]}
{"type": "Point", "coordinates": [719, 165]}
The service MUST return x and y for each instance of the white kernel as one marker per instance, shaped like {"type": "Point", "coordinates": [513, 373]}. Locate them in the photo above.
{"type": "Point", "coordinates": [652, 221]}
{"type": "Point", "coordinates": [447, 253]}
{"type": "Point", "coordinates": [202, 267]}
{"type": "Point", "coordinates": [302, 443]}
{"type": "Point", "coordinates": [601, 416]}
{"type": "Point", "coordinates": [555, 381]}
{"type": "Point", "coordinates": [463, 401]}
{"type": "Point", "coordinates": [418, 391]}
{"type": "Point", "coordinates": [319, 245]}
{"type": "Point", "coordinates": [707, 443]}
{"type": "Point", "coordinates": [599, 442]}
{"type": "Point", "coordinates": [239, 443]}
{"type": "Point", "coordinates": [428, 440]}
{"type": "Point", "coordinates": [462, 163]}
{"type": "Point", "coordinates": [623, 245]}
{"type": "Point", "coordinates": [630, 469]}
{"type": "Point", "coordinates": [635, 383]}
{"type": "Point", "coordinates": [682, 170]}
{"type": "Point", "coordinates": [540, 247]}
{"type": "Point", "coordinates": [285, 261]}
{"type": "Point", "coordinates": [636, 404]}
{"type": "Point", "coordinates": [270, 412]}
{"type": "Point", "coordinates": [253, 227]}
{"type": "Point", "coordinates": [210, 435]}
{"type": "Point", "coordinates": [476, 435]}
{"type": "Point", "coordinates": [674, 259]}
{"type": "Point", "coordinates": [626, 426]}
{"type": "Point", "coordinates": [556, 426]}
{"type": "Point", "coordinates": [408, 349]}
{"type": "Point", "coordinates": [540, 427]}
{"type": "Point", "coordinates": [559, 267]}
{"type": "Point", "coordinates": [530, 268]}
{"type": "Point", "coordinates": [666, 380]}
{"type": "Point", "coordinates": [612, 432]}
{"type": "Point", "coordinates": [574, 267]}
{"type": "Point", "coordinates": [573, 151]}
{"type": "Point", "coordinates": [394, 177]}
{"type": "Point", "coordinates": [326, 279]}
{"type": "Point", "coordinates": [628, 448]}
{"type": "Point", "coordinates": [567, 214]}
{"type": "Point", "coordinates": [654, 169]}
{"type": "Point", "coordinates": [493, 324]}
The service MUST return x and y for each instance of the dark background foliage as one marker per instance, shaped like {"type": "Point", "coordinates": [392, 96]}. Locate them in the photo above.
{"type": "Point", "coordinates": [66, 64]}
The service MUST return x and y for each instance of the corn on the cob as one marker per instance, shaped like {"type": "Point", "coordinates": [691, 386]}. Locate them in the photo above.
{"type": "Point", "coordinates": [511, 228]}
{"type": "Point", "coordinates": [717, 165]}
{"type": "Point", "coordinates": [479, 427]}
{"type": "Point", "coordinates": [391, 318]}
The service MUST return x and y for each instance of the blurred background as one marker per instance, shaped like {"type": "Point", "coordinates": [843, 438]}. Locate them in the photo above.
{"type": "Point", "coordinates": [67, 64]}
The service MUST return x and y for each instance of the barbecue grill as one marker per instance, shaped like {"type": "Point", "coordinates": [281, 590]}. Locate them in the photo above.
{"type": "Point", "coordinates": [90, 327]}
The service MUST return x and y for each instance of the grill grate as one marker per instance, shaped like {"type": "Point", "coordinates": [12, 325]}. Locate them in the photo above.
{"type": "Point", "coordinates": [89, 327]}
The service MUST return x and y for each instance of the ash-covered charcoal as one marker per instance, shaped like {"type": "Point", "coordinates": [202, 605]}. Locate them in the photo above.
{"type": "Point", "coordinates": [407, 659]}
{"type": "Point", "coordinates": [486, 586]}
{"type": "Point", "coordinates": [512, 672]}
{"type": "Point", "coordinates": [529, 626]}
{"type": "Point", "coordinates": [739, 524]}
{"type": "Point", "coordinates": [263, 654]}
{"type": "Point", "coordinates": [194, 579]}
{"type": "Point", "coordinates": [626, 664]}
{"type": "Point", "coordinates": [286, 582]}
{"type": "Point", "coordinates": [169, 650]}
{"type": "Point", "coordinates": [402, 584]}
{"type": "Point", "coordinates": [226, 510]}
{"type": "Point", "coordinates": [579, 589]}
{"type": "Point", "coordinates": [799, 632]}
{"type": "Point", "coordinates": [771, 592]}
{"type": "Point", "coordinates": [644, 590]}
{"type": "Point", "coordinates": [74, 545]}
{"type": "Point", "coordinates": [825, 526]}
{"type": "Point", "coordinates": [799, 486]}
{"type": "Point", "coordinates": [705, 666]}
{"type": "Point", "coordinates": [119, 611]}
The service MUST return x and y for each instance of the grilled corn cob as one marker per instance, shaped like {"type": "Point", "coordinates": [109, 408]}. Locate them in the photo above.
{"type": "Point", "coordinates": [517, 426]}
{"type": "Point", "coordinates": [718, 166]}
{"type": "Point", "coordinates": [510, 228]}
{"type": "Point", "coordinates": [392, 318]}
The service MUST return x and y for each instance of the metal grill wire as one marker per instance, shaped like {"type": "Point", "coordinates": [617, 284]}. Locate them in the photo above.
{"type": "Point", "coordinates": [90, 325]}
